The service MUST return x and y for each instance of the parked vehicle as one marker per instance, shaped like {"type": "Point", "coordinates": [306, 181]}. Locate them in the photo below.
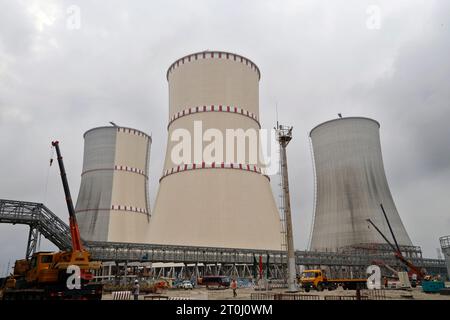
{"type": "Point", "coordinates": [215, 281]}
{"type": "Point", "coordinates": [187, 285]}
{"type": "Point", "coordinates": [316, 279]}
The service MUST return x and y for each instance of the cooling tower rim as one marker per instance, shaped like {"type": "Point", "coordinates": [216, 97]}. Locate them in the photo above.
{"type": "Point", "coordinates": [116, 128]}
{"type": "Point", "coordinates": [342, 119]}
{"type": "Point", "coordinates": [213, 52]}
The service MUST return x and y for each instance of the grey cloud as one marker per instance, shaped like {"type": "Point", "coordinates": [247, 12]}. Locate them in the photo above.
{"type": "Point", "coordinates": [317, 59]}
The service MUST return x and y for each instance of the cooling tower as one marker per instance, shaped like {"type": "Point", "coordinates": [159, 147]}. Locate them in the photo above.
{"type": "Point", "coordinates": [222, 202]}
{"type": "Point", "coordinates": [350, 186]}
{"type": "Point", "coordinates": [113, 203]}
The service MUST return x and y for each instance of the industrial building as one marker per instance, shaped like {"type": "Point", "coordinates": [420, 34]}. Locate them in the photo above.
{"type": "Point", "coordinates": [113, 200]}
{"type": "Point", "coordinates": [228, 203]}
{"type": "Point", "coordinates": [217, 216]}
{"type": "Point", "coordinates": [350, 185]}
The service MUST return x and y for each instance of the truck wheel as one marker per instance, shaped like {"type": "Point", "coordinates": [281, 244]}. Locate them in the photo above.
{"type": "Point", "coordinates": [319, 287]}
{"type": "Point", "coordinates": [306, 289]}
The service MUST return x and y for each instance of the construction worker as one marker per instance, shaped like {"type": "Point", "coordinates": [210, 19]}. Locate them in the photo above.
{"type": "Point", "coordinates": [386, 283]}
{"type": "Point", "coordinates": [234, 287]}
{"type": "Point", "coordinates": [136, 288]}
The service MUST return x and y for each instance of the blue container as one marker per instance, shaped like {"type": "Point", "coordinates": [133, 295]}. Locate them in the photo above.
{"type": "Point", "coordinates": [432, 286]}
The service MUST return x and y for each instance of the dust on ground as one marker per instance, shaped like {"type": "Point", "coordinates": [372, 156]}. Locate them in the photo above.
{"type": "Point", "coordinates": [201, 293]}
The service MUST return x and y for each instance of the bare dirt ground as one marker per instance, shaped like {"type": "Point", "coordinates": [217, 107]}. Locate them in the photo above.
{"type": "Point", "coordinates": [245, 293]}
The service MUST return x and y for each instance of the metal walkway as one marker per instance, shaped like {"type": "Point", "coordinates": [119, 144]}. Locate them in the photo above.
{"type": "Point", "coordinates": [40, 218]}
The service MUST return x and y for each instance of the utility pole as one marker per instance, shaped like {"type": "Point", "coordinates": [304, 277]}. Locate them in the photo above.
{"type": "Point", "coordinates": [284, 136]}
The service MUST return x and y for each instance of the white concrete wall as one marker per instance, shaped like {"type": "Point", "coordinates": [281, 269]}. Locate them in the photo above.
{"type": "Point", "coordinates": [214, 207]}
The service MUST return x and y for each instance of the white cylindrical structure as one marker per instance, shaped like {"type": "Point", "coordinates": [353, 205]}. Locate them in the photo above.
{"type": "Point", "coordinates": [350, 186]}
{"type": "Point", "coordinates": [113, 201]}
{"type": "Point", "coordinates": [225, 201]}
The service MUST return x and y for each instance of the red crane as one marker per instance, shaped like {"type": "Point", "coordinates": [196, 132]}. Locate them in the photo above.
{"type": "Point", "coordinates": [77, 245]}
{"type": "Point", "coordinates": [397, 252]}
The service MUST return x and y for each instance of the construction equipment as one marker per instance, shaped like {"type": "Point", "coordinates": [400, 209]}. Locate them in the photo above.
{"type": "Point", "coordinates": [54, 275]}
{"type": "Point", "coordinates": [397, 252]}
{"type": "Point", "coordinates": [317, 279]}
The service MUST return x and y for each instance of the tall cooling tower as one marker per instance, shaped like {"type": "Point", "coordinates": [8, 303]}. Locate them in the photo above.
{"type": "Point", "coordinates": [113, 203]}
{"type": "Point", "coordinates": [214, 203]}
{"type": "Point", "coordinates": [350, 186]}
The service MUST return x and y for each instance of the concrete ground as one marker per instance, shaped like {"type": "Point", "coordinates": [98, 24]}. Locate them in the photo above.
{"type": "Point", "coordinates": [244, 294]}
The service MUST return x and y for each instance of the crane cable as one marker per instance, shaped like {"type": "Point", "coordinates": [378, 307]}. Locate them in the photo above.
{"type": "Point", "coordinates": [52, 151]}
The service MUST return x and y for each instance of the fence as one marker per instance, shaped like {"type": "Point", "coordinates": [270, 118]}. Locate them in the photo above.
{"type": "Point", "coordinates": [375, 294]}
{"type": "Point", "coordinates": [282, 296]}
{"type": "Point", "coordinates": [345, 298]}
{"type": "Point", "coordinates": [161, 297]}
{"type": "Point", "coordinates": [121, 295]}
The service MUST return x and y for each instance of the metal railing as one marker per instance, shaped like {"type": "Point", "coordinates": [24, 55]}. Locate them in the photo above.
{"type": "Point", "coordinates": [345, 298]}
{"type": "Point", "coordinates": [374, 294]}
{"type": "Point", "coordinates": [282, 296]}
{"type": "Point", "coordinates": [38, 216]}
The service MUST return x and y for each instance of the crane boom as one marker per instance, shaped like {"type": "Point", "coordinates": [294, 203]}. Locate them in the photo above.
{"type": "Point", "coordinates": [398, 253]}
{"type": "Point", "coordinates": [390, 228]}
{"type": "Point", "coordinates": [77, 245]}
{"type": "Point", "coordinates": [382, 234]}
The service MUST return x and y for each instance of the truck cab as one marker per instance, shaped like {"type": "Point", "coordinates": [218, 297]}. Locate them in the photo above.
{"type": "Point", "coordinates": [41, 271]}
{"type": "Point", "coordinates": [313, 279]}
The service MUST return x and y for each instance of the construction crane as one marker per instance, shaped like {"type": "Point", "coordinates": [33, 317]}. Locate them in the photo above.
{"type": "Point", "coordinates": [46, 275]}
{"type": "Point", "coordinates": [398, 254]}
{"type": "Point", "coordinates": [77, 245]}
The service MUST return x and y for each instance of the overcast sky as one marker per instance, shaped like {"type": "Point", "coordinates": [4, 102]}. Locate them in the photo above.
{"type": "Point", "coordinates": [59, 78]}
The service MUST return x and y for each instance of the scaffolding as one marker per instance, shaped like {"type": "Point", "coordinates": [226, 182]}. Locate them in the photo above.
{"type": "Point", "coordinates": [54, 229]}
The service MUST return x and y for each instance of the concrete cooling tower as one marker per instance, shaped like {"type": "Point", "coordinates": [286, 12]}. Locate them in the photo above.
{"type": "Point", "coordinates": [350, 186]}
{"type": "Point", "coordinates": [223, 201]}
{"type": "Point", "coordinates": [113, 203]}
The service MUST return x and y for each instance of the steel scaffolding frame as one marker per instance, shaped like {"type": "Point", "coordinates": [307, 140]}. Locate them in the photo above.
{"type": "Point", "coordinates": [40, 218]}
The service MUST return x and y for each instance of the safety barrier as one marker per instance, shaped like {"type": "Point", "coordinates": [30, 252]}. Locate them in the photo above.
{"type": "Point", "coordinates": [155, 297]}
{"type": "Point", "coordinates": [375, 294]}
{"type": "Point", "coordinates": [345, 298]}
{"type": "Point", "coordinates": [295, 296]}
{"type": "Point", "coordinates": [282, 296]}
{"type": "Point", "coordinates": [121, 295]}
{"type": "Point", "coordinates": [262, 296]}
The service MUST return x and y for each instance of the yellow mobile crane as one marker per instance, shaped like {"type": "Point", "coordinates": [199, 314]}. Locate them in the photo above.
{"type": "Point", "coordinates": [45, 276]}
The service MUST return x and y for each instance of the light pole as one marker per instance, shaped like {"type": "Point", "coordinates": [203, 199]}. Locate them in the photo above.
{"type": "Point", "coordinates": [284, 136]}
